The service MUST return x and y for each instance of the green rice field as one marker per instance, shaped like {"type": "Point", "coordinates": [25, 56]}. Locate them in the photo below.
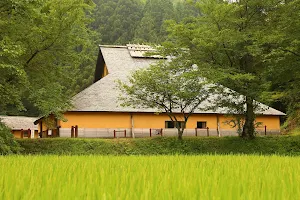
{"type": "Point", "coordinates": [150, 177]}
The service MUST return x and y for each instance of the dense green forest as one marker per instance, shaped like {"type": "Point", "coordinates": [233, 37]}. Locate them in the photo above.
{"type": "Point", "coordinates": [48, 48]}
{"type": "Point", "coordinates": [137, 21]}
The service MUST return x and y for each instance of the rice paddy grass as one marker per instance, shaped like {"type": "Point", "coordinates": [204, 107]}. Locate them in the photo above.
{"type": "Point", "coordinates": [150, 177]}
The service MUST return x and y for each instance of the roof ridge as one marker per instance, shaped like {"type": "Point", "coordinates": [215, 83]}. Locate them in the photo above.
{"type": "Point", "coordinates": [112, 46]}
{"type": "Point", "coordinates": [16, 116]}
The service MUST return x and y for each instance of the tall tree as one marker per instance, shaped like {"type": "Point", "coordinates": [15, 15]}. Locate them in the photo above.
{"type": "Point", "coordinates": [225, 43]}
{"type": "Point", "coordinates": [116, 20]}
{"type": "Point", "coordinates": [44, 44]}
{"type": "Point", "coordinates": [184, 9]}
{"type": "Point", "coordinates": [172, 87]}
{"type": "Point", "coordinates": [283, 38]}
{"type": "Point", "coordinates": [154, 14]}
{"type": "Point", "coordinates": [145, 32]}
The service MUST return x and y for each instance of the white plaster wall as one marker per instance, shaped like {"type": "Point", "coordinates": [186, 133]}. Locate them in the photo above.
{"type": "Point", "coordinates": [139, 132]}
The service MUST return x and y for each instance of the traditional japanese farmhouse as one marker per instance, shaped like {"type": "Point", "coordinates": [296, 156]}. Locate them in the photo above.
{"type": "Point", "coordinates": [97, 111]}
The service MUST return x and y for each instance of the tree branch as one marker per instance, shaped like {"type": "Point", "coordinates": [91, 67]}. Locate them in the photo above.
{"type": "Point", "coordinates": [224, 46]}
{"type": "Point", "coordinates": [294, 53]}
{"type": "Point", "coordinates": [38, 51]}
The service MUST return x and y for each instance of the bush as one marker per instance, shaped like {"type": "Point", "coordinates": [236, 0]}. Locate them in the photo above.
{"type": "Point", "coordinates": [8, 145]}
{"type": "Point", "coordinates": [281, 145]}
{"type": "Point", "coordinates": [292, 124]}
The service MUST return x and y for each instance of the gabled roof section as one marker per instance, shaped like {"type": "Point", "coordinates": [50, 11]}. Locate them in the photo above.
{"type": "Point", "coordinates": [99, 67]}
{"type": "Point", "coordinates": [102, 96]}
{"type": "Point", "coordinates": [19, 122]}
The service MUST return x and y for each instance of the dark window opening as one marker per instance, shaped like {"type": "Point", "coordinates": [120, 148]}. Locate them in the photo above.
{"type": "Point", "coordinates": [25, 133]}
{"type": "Point", "coordinates": [171, 124]}
{"type": "Point", "coordinates": [201, 124]}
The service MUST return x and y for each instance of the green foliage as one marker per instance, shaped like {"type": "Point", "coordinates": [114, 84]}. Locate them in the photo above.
{"type": "Point", "coordinates": [295, 132]}
{"type": "Point", "coordinates": [145, 31]}
{"type": "Point", "coordinates": [292, 124]}
{"type": "Point", "coordinates": [283, 38]}
{"type": "Point", "coordinates": [154, 14]}
{"type": "Point", "coordinates": [282, 145]}
{"type": "Point", "coordinates": [8, 145]}
{"type": "Point", "coordinates": [116, 20]}
{"type": "Point", "coordinates": [152, 28]}
{"type": "Point", "coordinates": [45, 45]}
{"type": "Point", "coordinates": [227, 42]}
{"type": "Point", "coordinates": [138, 21]}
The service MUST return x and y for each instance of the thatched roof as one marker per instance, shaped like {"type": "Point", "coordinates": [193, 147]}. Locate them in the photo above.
{"type": "Point", "coordinates": [19, 122]}
{"type": "Point", "coordinates": [103, 94]}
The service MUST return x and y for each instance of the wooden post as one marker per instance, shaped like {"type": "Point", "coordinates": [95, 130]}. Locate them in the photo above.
{"type": "Point", "coordinates": [114, 133]}
{"type": "Point", "coordinates": [76, 131]}
{"type": "Point", "coordinates": [150, 133]}
{"type": "Point", "coordinates": [218, 125]}
{"type": "Point", "coordinates": [265, 130]}
{"type": "Point", "coordinates": [72, 131]}
{"type": "Point", "coordinates": [196, 132]}
{"type": "Point", "coordinates": [207, 131]}
{"type": "Point", "coordinates": [132, 126]}
{"type": "Point", "coordinates": [22, 133]}
{"type": "Point", "coordinates": [29, 133]}
{"type": "Point", "coordinates": [41, 129]}
{"type": "Point", "coordinates": [161, 132]}
{"type": "Point", "coordinates": [125, 132]}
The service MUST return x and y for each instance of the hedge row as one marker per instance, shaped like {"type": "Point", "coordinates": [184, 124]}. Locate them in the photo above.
{"type": "Point", "coordinates": [281, 145]}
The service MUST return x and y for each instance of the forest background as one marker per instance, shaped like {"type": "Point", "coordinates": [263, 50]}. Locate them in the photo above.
{"type": "Point", "coordinates": [49, 49]}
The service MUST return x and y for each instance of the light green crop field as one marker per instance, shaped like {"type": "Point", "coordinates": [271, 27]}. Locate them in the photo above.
{"type": "Point", "coordinates": [150, 177]}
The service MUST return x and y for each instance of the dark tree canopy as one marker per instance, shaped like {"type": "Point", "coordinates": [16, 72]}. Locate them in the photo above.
{"type": "Point", "coordinates": [247, 46]}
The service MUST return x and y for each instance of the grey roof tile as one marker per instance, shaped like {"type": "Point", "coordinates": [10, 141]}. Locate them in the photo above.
{"type": "Point", "coordinates": [19, 122]}
{"type": "Point", "coordinates": [103, 95]}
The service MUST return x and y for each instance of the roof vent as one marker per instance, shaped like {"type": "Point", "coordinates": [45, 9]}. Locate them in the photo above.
{"type": "Point", "coordinates": [138, 51]}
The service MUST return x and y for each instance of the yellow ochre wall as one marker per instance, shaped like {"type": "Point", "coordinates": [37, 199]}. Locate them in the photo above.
{"type": "Point", "coordinates": [105, 71]}
{"type": "Point", "coordinates": [96, 120]}
{"type": "Point", "coordinates": [150, 120]}
{"type": "Point", "coordinates": [16, 133]}
{"type": "Point", "coordinates": [272, 122]}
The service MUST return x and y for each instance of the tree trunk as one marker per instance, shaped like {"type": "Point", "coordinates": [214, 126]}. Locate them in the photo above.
{"type": "Point", "coordinates": [248, 128]}
{"type": "Point", "coordinates": [180, 132]}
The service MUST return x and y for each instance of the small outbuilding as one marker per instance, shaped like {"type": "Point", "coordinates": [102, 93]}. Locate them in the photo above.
{"type": "Point", "coordinates": [21, 126]}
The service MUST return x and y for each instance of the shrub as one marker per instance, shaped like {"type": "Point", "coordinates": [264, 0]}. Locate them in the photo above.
{"type": "Point", "coordinates": [8, 145]}
{"type": "Point", "coordinates": [281, 145]}
{"type": "Point", "coordinates": [292, 124]}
